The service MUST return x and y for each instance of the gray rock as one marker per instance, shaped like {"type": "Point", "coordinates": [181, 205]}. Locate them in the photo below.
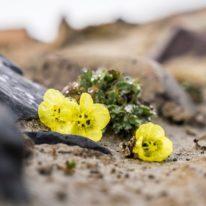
{"type": "Point", "coordinates": [11, 158]}
{"type": "Point", "coordinates": [20, 94]}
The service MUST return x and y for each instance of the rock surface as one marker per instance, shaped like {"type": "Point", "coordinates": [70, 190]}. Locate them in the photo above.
{"type": "Point", "coordinates": [20, 94]}
{"type": "Point", "coordinates": [11, 158]}
{"type": "Point", "coordinates": [53, 138]}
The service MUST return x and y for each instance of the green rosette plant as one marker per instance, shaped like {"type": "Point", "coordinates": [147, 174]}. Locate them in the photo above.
{"type": "Point", "coordinates": [120, 93]}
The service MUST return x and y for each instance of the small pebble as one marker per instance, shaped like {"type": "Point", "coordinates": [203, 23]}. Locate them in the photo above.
{"type": "Point", "coordinates": [61, 196]}
{"type": "Point", "coordinates": [45, 170]}
{"type": "Point", "coordinates": [126, 175]}
{"type": "Point", "coordinates": [151, 176]}
{"type": "Point", "coordinates": [113, 171]}
{"type": "Point", "coordinates": [190, 131]}
{"type": "Point", "coordinates": [163, 194]}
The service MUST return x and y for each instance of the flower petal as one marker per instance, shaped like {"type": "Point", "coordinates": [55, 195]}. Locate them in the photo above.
{"type": "Point", "coordinates": [64, 127]}
{"type": "Point", "coordinates": [101, 116]}
{"type": "Point", "coordinates": [86, 102]}
{"type": "Point", "coordinates": [45, 114]}
{"type": "Point", "coordinates": [94, 135]}
{"type": "Point", "coordinates": [75, 130]}
{"type": "Point", "coordinates": [53, 96]}
{"type": "Point", "coordinates": [166, 151]}
{"type": "Point", "coordinates": [138, 145]}
{"type": "Point", "coordinates": [149, 130]}
{"type": "Point", "coordinates": [69, 110]}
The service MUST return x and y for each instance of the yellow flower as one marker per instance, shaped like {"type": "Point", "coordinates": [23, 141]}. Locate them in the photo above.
{"type": "Point", "coordinates": [66, 116]}
{"type": "Point", "coordinates": [88, 119]}
{"type": "Point", "coordinates": [53, 111]}
{"type": "Point", "coordinates": [151, 143]}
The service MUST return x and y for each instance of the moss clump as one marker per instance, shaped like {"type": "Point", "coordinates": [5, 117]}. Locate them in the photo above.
{"type": "Point", "coordinates": [120, 93]}
{"type": "Point", "coordinates": [70, 167]}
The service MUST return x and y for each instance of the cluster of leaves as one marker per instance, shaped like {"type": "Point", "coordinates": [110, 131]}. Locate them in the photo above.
{"type": "Point", "coordinates": [120, 93]}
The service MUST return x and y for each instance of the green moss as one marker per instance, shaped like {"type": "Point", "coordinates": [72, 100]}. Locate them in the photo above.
{"type": "Point", "coordinates": [120, 93]}
{"type": "Point", "coordinates": [69, 167]}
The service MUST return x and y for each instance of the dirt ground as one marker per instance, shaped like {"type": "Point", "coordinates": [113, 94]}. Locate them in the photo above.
{"type": "Point", "coordinates": [114, 180]}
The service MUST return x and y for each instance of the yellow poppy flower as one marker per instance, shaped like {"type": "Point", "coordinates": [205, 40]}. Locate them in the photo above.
{"type": "Point", "coordinates": [54, 110]}
{"type": "Point", "coordinates": [151, 143]}
{"type": "Point", "coordinates": [89, 119]}
{"type": "Point", "coordinates": [66, 116]}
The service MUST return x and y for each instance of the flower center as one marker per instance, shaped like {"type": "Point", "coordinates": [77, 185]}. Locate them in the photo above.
{"type": "Point", "coordinates": [150, 146]}
{"type": "Point", "coordinates": [56, 112]}
{"type": "Point", "coordinates": [84, 121]}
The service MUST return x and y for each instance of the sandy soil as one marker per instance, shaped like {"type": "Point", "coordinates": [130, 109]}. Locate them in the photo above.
{"type": "Point", "coordinates": [114, 180]}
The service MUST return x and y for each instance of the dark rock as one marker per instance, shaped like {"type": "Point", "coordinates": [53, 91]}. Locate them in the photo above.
{"type": "Point", "coordinates": [71, 140]}
{"type": "Point", "coordinates": [11, 158]}
{"type": "Point", "coordinates": [61, 195]}
{"type": "Point", "coordinates": [182, 42]}
{"type": "Point", "coordinates": [20, 94]}
{"type": "Point", "coordinates": [45, 170]}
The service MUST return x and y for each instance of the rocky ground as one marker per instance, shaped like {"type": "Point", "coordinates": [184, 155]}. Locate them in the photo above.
{"type": "Point", "coordinates": [96, 178]}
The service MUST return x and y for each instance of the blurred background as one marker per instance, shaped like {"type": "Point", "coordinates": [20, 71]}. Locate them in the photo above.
{"type": "Point", "coordinates": [162, 43]}
{"type": "Point", "coordinates": [41, 17]}
{"type": "Point", "coordinates": [44, 37]}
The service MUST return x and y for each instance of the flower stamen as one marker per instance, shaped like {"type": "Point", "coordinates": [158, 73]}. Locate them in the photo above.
{"type": "Point", "coordinates": [84, 121]}
{"type": "Point", "coordinates": [56, 112]}
{"type": "Point", "coordinates": [88, 122]}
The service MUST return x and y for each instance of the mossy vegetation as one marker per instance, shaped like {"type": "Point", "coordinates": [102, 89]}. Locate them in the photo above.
{"type": "Point", "coordinates": [120, 93]}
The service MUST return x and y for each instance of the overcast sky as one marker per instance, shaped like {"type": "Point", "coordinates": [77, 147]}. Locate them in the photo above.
{"type": "Point", "coordinates": [41, 17]}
